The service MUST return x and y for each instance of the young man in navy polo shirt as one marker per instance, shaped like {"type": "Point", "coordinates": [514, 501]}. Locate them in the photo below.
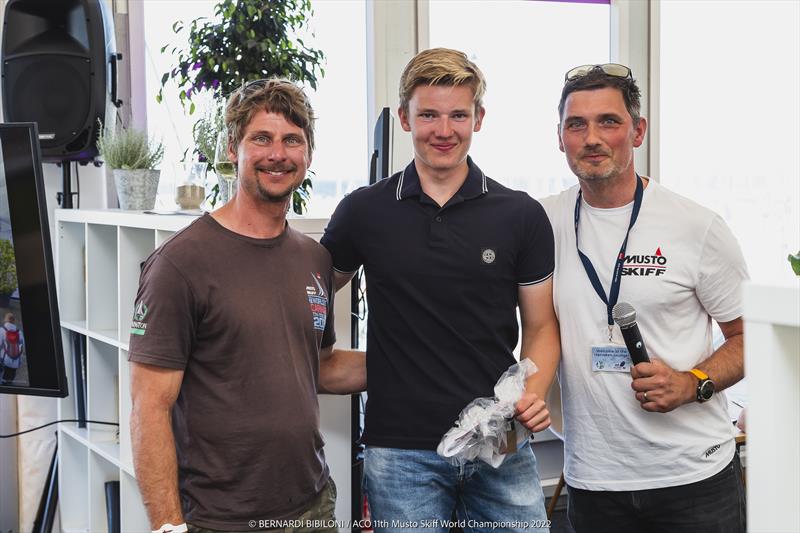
{"type": "Point", "coordinates": [449, 255]}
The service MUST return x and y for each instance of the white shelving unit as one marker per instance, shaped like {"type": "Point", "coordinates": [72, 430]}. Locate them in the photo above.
{"type": "Point", "coordinates": [98, 256]}
{"type": "Point", "coordinates": [772, 366]}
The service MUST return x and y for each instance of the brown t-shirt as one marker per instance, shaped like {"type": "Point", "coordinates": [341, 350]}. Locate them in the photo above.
{"type": "Point", "coordinates": [245, 319]}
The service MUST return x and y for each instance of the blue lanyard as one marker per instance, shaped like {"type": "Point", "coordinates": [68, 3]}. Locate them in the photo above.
{"type": "Point", "coordinates": [616, 280]}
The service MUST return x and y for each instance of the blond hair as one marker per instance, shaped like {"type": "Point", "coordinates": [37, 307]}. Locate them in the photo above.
{"type": "Point", "coordinates": [441, 66]}
{"type": "Point", "coordinates": [274, 95]}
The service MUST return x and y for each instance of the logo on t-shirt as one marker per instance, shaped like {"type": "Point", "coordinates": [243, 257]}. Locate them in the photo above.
{"type": "Point", "coordinates": [712, 450]}
{"type": "Point", "coordinates": [645, 265]}
{"type": "Point", "coordinates": [139, 326]}
{"type": "Point", "coordinates": [318, 302]}
{"type": "Point", "coordinates": [488, 255]}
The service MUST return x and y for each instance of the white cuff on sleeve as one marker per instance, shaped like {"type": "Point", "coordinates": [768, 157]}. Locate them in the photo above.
{"type": "Point", "coordinates": [169, 528]}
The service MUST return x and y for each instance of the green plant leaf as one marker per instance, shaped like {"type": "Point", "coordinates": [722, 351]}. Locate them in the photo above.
{"type": "Point", "coordinates": [129, 149]}
{"type": "Point", "coordinates": [794, 260]}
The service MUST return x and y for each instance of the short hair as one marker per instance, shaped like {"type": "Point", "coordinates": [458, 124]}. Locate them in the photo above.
{"type": "Point", "coordinates": [273, 95]}
{"type": "Point", "coordinates": [10, 317]}
{"type": "Point", "coordinates": [441, 66]}
{"type": "Point", "coordinates": [598, 79]}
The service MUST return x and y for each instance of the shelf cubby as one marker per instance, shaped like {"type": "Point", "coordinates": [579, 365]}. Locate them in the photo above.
{"type": "Point", "coordinates": [101, 272]}
{"type": "Point", "coordinates": [71, 260]}
{"type": "Point", "coordinates": [73, 482]}
{"type": "Point", "coordinates": [135, 244]}
{"type": "Point", "coordinates": [103, 384]}
{"type": "Point", "coordinates": [100, 471]}
{"type": "Point", "coordinates": [67, 405]}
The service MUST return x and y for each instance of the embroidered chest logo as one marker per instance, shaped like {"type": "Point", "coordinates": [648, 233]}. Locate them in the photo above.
{"type": "Point", "coordinates": [139, 326]}
{"type": "Point", "coordinates": [318, 302]}
{"type": "Point", "coordinates": [645, 265]}
{"type": "Point", "coordinates": [488, 256]}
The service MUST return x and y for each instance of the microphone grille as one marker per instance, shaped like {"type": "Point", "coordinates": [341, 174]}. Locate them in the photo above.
{"type": "Point", "coordinates": [623, 314]}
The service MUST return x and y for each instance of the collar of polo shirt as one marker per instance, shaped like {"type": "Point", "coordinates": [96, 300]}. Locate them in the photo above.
{"type": "Point", "coordinates": [475, 185]}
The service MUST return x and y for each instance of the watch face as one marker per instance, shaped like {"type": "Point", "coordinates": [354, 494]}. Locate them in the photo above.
{"type": "Point", "coordinates": [706, 390]}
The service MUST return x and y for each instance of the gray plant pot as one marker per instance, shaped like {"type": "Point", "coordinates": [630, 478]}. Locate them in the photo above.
{"type": "Point", "coordinates": [136, 189]}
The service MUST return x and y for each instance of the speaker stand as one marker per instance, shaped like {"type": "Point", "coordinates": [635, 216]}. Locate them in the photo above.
{"type": "Point", "coordinates": [65, 196]}
{"type": "Point", "coordinates": [46, 514]}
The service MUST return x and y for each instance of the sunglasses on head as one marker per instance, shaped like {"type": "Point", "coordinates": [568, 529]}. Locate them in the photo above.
{"type": "Point", "coordinates": [247, 85]}
{"type": "Point", "coordinates": [253, 83]}
{"type": "Point", "coordinates": [612, 69]}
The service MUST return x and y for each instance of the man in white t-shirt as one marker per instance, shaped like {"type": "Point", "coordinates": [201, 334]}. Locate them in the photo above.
{"type": "Point", "coordinates": [647, 448]}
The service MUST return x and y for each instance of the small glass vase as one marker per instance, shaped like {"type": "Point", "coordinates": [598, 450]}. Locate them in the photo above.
{"type": "Point", "coordinates": [190, 190]}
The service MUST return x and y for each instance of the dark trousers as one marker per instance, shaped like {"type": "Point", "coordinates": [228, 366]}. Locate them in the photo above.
{"type": "Point", "coordinates": [714, 505]}
{"type": "Point", "coordinates": [7, 374]}
{"type": "Point", "coordinates": [318, 518]}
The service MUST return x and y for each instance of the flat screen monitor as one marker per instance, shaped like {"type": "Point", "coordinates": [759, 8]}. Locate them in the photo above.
{"type": "Point", "coordinates": [31, 355]}
{"type": "Point", "coordinates": [382, 142]}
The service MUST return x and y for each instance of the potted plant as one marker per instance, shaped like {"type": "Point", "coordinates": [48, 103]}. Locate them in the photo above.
{"type": "Point", "coordinates": [247, 40]}
{"type": "Point", "coordinates": [8, 272]}
{"type": "Point", "coordinates": [133, 157]}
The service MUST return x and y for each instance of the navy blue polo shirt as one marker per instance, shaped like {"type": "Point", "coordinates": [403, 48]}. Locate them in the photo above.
{"type": "Point", "coordinates": [442, 286]}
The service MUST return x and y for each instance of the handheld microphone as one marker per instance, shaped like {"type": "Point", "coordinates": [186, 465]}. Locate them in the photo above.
{"type": "Point", "coordinates": [625, 316]}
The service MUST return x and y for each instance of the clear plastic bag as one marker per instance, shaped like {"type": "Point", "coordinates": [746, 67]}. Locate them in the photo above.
{"type": "Point", "coordinates": [482, 427]}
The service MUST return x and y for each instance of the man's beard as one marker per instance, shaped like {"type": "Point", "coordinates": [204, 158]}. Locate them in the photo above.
{"type": "Point", "coordinates": [268, 196]}
{"type": "Point", "coordinates": [263, 194]}
{"type": "Point", "coordinates": [595, 174]}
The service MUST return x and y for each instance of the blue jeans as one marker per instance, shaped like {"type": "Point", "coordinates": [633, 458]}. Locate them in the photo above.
{"type": "Point", "coordinates": [713, 505]}
{"type": "Point", "coordinates": [418, 490]}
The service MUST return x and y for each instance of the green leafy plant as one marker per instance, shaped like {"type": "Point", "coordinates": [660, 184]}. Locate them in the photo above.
{"type": "Point", "coordinates": [8, 268]}
{"type": "Point", "coordinates": [129, 149]}
{"type": "Point", "coordinates": [246, 40]}
{"type": "Point", "coordinates": [794, 260]}
{"type": "Point", "coordinates": [206, 130]}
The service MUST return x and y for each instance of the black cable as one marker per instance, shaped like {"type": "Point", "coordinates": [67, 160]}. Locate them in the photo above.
{"type": "Point", "coordinates": [58, 422]}
{"type": "Point", "coordinates": [78, 185]}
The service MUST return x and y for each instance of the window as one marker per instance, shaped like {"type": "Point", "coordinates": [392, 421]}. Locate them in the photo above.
{"type": "Point", "coordinates": [340, 101]}
{"type": "Point", "coordinates": [340, 162]}
{"type": "Point", "coordinates": [523, 49]}
{"type": "Point", "coordinates": [168, 121]}
{"type": "Point", "coordinates": [729, 127]}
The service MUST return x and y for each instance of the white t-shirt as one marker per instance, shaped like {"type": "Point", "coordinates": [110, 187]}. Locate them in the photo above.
{"type": "Point", "coordinates": [683, 267]}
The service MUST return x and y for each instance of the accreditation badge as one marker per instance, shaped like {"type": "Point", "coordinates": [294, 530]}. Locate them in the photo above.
{"type": "Point", "coordinates": [610, 358]}
{"type": "Point", "coordinates": [611, 355]}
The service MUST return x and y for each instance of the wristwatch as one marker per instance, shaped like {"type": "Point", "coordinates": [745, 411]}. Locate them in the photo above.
{"type": "Point", "coordinates": [705, 387]}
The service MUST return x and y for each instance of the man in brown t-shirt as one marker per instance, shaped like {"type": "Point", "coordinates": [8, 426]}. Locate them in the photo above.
{"type": "Point", "coordinates": [232, 337]}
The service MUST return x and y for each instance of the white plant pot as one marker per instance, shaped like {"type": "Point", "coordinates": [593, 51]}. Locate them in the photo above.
{"type": "Point", "coordinates": [136, 189]}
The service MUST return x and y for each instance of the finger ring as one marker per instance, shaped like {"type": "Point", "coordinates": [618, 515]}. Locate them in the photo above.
{"type": "Point", "coordinates": [645, 395]}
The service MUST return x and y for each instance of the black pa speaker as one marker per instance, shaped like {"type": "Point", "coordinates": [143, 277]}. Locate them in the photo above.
{"type": "Point", "coordinates": [59, 70]}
